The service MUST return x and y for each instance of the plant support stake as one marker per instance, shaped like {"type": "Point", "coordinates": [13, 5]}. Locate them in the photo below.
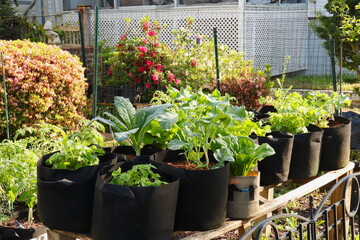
{"type": "Point", "coordinates": [5, 97]}
{"type": "Point", "coordinates": [82, 39]}
{"type": "Point", "coordinates": [96, 60]}
{"type": "Point", "coordinates": [216, 59]}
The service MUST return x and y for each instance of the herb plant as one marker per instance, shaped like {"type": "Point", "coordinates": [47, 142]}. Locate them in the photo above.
{"type": "Point", "coordinates": [242, 153]}
{"type": "Point", "coordinates": [141, 175]}
{"type": "Point", "coordinates": [137, 127]}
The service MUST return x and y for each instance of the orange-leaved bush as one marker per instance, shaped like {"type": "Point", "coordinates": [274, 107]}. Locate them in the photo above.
{"type": "Point", "coordinates": [44, 84]}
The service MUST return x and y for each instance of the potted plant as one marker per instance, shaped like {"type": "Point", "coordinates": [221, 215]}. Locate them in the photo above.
{"type": "Point", "coordinates": [335, 151]}
{"type": "Point", "coordinates": [203, 178]}
{"type": "Point", "coordinates": [138, 129]}
{"type": "Point", "coordinates": [244, 189]}
{"type": "Point", "coordinates": [134, 201]}
{"type": "Point", "coordinates": [66, 180]}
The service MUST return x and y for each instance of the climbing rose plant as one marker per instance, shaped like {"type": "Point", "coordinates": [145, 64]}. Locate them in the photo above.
{"type": "Point", "coordinates": [142, 61]}
{"type": "Point", "coordinates": [44, 84]}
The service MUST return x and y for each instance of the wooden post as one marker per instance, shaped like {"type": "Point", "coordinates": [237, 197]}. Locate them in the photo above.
{"type": "Point", "coordinates": [339, 231]}
{"type": "Point", "coordinates": [85, 15]}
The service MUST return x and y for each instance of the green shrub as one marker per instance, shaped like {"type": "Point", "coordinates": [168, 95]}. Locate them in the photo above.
{"type": "Point", "coordinates": [44, 84]}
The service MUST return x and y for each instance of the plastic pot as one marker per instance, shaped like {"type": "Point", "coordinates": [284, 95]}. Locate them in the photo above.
{"type": "Point", "coordinates": [202, 193]}
{"type": "Point", "coordinates": [65, 197]}
{"type": "Point", "coordinates": [305, 157]}
{"type": "Point", "coordinates": [275, 169]}
{"type": "Point", "coordinates": [335, 152]}
{"type": "Point", "coordinates": [133, 213]}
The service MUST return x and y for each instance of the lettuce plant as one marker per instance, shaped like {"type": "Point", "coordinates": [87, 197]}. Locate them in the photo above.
{"type": "Point", "coordinates": [44, 84]}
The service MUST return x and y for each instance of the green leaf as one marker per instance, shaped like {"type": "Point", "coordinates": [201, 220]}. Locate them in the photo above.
{"type": "Point", "coordinates": [121, 136]}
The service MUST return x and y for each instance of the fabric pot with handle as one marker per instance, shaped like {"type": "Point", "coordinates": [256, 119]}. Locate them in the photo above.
{"type": "Point", "coordinates": [133, 213]}
{"type": "Point", "coordinates": [65, 197]}
{"type": "Point", "coordinates": [244, 194]}
{"type": "Point", "coordinates": [335, 150]}
{"type": "Point", "coordinates": [202, 193]}
{"type": "Point", "coordinates": [275, 169]}
{"type": "Point", "coordinates": [305, 157]}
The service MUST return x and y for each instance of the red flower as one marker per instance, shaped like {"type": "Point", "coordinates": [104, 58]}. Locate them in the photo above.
{"type": "Point", "coordinates": [159, 67]}
{"type": "Point", "coordinates": [146, 26]}
{"type": "Point", "coordinates": [153, 54]}
{"type": "Point", "coordinates": [130, 74]}
{"type": "Point", "coordinates": [193, 62]}
{"type": "Point", "coordinates": [171, 77]}
{"type": "Point", "coordinates": [156, 44]}
{"type": "Point", "coordinates": [123, 37]}
{"type": "Point", "coordinates": [137, 80]}
{"type": "Point", "coordinates": [109, 72]}
{"type": "Point", "coordinates": [147, 85]}
{"type": "Point", "coordinates": [149, 63]}
{"type": "Point", "coordinates": [177, 81]}
{"type": "Point", "coordinates": [141, 69]}
{"type": "Point", "coordinates": [119, 45]}
{"type": "Point", "coordinates": [142, 49]}
{"type": "Point", "coordinates": [155, 78]}
{"type": "Point", "coordinates": [151, 33]}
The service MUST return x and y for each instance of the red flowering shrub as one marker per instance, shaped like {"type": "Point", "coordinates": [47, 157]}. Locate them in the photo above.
{"type": "Point", "coordinates": [44, 84]}
{"type": "Point", "coordinates": [142, 61]}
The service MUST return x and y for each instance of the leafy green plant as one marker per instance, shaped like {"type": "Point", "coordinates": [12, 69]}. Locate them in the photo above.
{"type": "Point", "coordinates": [296, 112]}
{"type": "Point", "coordinates": [18, 175]}
{"type": "Point", "coordinates": [44, 84]}
{"type": "Point", "coordinates": [78, 150]}
{"type": "Point", "coordinates": [342, 26]}
{"type": "Point", "coordinates": [135, 127]}
{"type": "Point", "coordinates": [141, 175]}
{"type": "Point", "coordinates": [242, 153]}
{"type": "Point", "coordinates": [202, 119]}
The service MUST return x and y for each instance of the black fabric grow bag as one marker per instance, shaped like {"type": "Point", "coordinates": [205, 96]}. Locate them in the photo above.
{"type": "Point", "coordinates": [275, 168]}
{"type": "Point", "coordinates": [128, 152]}
{"type": "Point", "coordinates": [133, 213]}
{"type": "Point", "coordinates": [7, 233]}
{"type": "Point", "coordinates": [202, 193]}
{"type": "Point", "coordinates": [65, 197]}
{"type": "Point", "coordinates": [305, 157]}
{"type": "Point", "coordinates": [335, 150]}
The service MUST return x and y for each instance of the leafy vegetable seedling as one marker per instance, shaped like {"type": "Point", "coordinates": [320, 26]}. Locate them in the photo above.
{"type": "Point", "coordinates": [139, 176]}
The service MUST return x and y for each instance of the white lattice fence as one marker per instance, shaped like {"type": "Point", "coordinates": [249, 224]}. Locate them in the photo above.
{"type": "Point", "coordinates": [112, 24]}
{"type": "Point", "coordinates": [270, 36]}
{"type": "Point", "coordinates": [266, 36]}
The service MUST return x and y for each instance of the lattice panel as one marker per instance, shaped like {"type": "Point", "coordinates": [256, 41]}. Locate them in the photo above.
{"type": "Point", "coordinates": [266, 36]}
{"type": "Point", "coordinates": [270, 36]}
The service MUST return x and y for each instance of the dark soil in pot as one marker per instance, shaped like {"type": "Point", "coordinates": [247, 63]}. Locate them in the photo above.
{"type": "Point", "coordinates": [335, 152]}
{"type": "Point", "coordinates": [133, 213]}
{"type": "Point", "coordinates": [275, 169]}
{"type": "Point", "coordinates": [305, 157]}
{"type": "Point", "coordinates": [65, 197]}
{"type": "Point", "coordinates": [202, 193]}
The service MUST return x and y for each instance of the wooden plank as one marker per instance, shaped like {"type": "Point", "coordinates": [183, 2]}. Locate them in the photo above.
{"type": "Point", "coordinates": [68, 235]}
{"type": "Point", "coordinates": [276, 203]}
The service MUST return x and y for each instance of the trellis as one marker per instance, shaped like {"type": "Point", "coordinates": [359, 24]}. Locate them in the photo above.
{"type": "Point", "coordinates": [266, 34]}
